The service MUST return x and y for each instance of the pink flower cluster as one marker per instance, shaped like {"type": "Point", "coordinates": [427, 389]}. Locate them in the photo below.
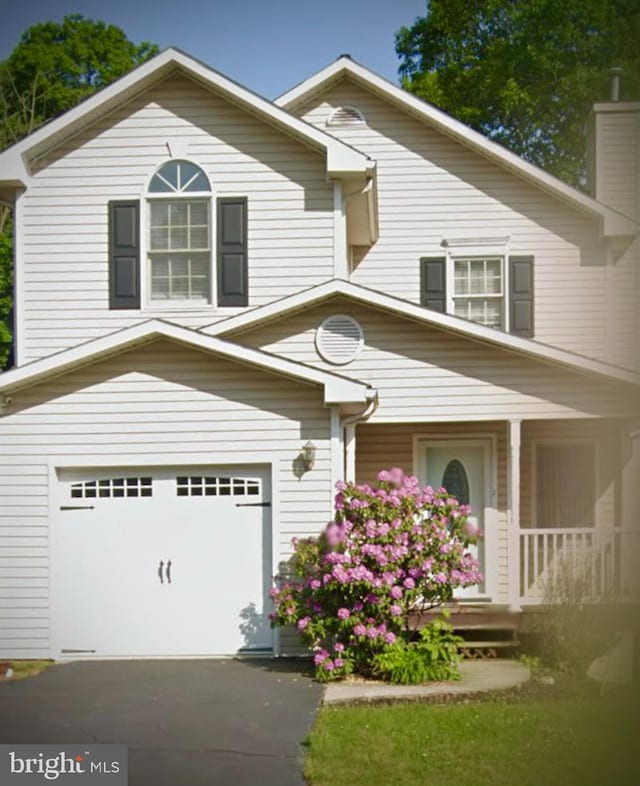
{"type": "Point", "coordinates": [391, 550]}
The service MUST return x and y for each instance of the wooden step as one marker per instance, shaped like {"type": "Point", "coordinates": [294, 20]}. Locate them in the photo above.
{"type": "Point", "coordinates": [487, 644]}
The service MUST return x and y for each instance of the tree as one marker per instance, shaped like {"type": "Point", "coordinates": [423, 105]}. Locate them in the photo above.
{"type": "Point", "coordinates": [54, 67]}
{"type": "Point", "coordinates": [523, 72]}
{"type": "Point", "coordinates": [6, 290]}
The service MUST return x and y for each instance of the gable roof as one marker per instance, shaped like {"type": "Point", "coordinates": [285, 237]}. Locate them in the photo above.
{"type": "Point", "coordinates": [342, 159]}
{"type": "Point", "coordinates": [613, 224]}
{"type": "Point", "coordinates": [337, 389]}
{"type": "Point", "coordinates": [339, 288]}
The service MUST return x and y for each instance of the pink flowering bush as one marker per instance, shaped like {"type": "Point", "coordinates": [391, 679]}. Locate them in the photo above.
{"type": "Point", "coordinates": [391, 553]}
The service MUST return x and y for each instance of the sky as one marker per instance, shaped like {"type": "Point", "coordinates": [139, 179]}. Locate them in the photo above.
{"type": "Point", "coordinates": [266, 45]}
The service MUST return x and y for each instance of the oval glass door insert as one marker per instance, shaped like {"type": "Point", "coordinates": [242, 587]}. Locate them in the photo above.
{"type": "Point", "coordinates": [456, 482]}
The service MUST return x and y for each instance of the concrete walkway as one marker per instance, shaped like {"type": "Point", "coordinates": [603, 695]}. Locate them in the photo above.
{"type": "Point", "coordinates": [477, 676]}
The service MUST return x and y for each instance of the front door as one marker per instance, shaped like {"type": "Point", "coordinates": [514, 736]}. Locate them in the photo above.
{"type": "Point", "coordinates": [462, 468]}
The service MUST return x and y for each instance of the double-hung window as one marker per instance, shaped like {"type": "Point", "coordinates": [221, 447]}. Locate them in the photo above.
{"type": "Point", "coordinates": [478, 292]}
{"type": "Point", "coordinates": [194, 254]}
{"type": "Point", "coordinates": [495, 290]}
{"type": "Point", "coordinates": [179, 241]}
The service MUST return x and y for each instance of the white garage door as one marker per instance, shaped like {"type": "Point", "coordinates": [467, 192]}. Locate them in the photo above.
{"type": "Point", "coordinates": [170, 562]}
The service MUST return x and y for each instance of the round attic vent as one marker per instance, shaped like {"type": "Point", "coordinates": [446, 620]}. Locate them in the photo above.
{"type": "Point", "coordinates": [339, 339]}
{"type": "Point", "coordinates": [346, 116]}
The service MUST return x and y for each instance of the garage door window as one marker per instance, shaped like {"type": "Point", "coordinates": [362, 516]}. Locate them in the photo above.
{"type": "Point", "coordinates": [112, 487]}
{"type": "Point", "coordinates": [213, 486]}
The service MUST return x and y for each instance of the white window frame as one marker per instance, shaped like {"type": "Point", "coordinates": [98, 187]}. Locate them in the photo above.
{"type": "Point", "coordinates": [478, 248]}
{"type": "Point", "coordinates": [501, 297]}
{"type": "Point", "coordinates": [535, 443]}
{"type": "Point", "coordinates": [177, 304]}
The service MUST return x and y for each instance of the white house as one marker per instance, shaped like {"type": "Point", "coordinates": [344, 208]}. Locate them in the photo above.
{"type": "Point", "coordinates": [224, 305]}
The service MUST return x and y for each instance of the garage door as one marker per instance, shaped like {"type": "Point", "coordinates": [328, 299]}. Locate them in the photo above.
{"type": "Point", "coordinates": [170, 562]}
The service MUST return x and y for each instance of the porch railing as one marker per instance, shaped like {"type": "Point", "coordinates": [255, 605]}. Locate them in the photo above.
{"type": "Point", "coordinates": [576, 565]}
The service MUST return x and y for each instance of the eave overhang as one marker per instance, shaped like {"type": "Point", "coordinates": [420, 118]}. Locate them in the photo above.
{"type": "Point", "coordinates": [612, 223]}
{"type": "Point", "coordinates": [314, 296]}
{"type": "Point", "coordinates": [337, 390]}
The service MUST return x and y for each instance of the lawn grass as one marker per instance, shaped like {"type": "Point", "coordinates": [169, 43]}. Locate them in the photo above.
{"type": "Point", "coordinates": [28, 668]}
{"type": "Point", "coordinates": [539, 737]}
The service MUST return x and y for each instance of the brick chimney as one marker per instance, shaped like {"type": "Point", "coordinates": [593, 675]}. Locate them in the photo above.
{"type": "Point", "coordinates": [613, 152]}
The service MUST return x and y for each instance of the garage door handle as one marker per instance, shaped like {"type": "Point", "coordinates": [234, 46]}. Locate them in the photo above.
{"type": "Point", "coordinates": [168, 571]}
{"type": "Point", "coordinates": [160, 566]}
{"type": "Point", "coordinates": [253, 504]}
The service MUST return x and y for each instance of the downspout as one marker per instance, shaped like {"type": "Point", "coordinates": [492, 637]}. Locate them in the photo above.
{"type": "Point", "coordinates": [349, 425]}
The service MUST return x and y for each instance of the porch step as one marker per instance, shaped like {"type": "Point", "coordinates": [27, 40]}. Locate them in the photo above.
{"type": "Point", "coordinates": [483, 643]}
{"type": "Point", "coordinates": [487, 632]}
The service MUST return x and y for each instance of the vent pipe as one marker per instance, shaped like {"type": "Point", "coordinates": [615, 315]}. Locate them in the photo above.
{"type": "Point", "coordinates": [615, 74]}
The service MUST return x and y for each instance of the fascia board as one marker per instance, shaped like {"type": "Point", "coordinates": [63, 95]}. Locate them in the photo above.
{"type": "Point", "coordinates": [614, 224]}
{"type": "Point", "coordinates": [452, 324]}
{"type": "Point", "coordinates": [341, 158]}
{"type": "Point", "coordinates": [13, 171]}
{"type": "Point", "coordinates": [336, 389]}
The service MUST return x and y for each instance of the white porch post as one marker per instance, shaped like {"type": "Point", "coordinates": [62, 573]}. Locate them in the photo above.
{"type": "Point", "coordinates": [630, 535]}
{"type": "Point", "coordinates": [337, 450]}
{"type": "Point", "coordinates": [350, 449]}
{"type": "Point", "coordinates": [513, 513]}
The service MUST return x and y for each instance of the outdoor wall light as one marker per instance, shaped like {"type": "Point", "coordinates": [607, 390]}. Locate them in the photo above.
{"type": "Point", "coordinates": [308, 454]}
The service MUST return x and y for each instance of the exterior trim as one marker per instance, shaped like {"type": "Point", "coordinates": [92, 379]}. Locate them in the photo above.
{"type": "Point", "coordinates": [18, 282]}
{"type": "Point", "coordinates": [337, 448]}
{"type": "Point", "coordinates": [341, 158]}
{"type": "Point", "coordinates": [488, 442]}
{"type": "Point", "coordinates": [613, 223]}
{"type": "Point", "coordinates": [337, 389]}
{"type": "Point", "coordinates": [340, 264]}
{"type": "Point", "coordinates": [315, 295]}
{"type": "Point", "coordinates": [514, 445]}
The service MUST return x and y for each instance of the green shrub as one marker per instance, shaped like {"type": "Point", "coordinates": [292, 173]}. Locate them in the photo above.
{"type": "Point", "coordinates": [433, 657]}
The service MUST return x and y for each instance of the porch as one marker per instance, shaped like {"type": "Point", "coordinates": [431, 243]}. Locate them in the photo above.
{"type": "Point", "coordinates": [558, 500]}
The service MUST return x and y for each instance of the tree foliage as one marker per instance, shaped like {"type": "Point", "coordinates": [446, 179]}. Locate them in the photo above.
{"type": "Point", "coordinates": [54, 67]}
{"type": "Point", "coordinates": [524, 72]}
{"type": "Point", "coordinates": [6, 291]}
{"type": "Point", "coordinates": [58, 64]}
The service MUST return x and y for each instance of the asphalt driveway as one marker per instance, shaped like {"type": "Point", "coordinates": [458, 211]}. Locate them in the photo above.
{"type": "Point", "coordinates": [186, 723]}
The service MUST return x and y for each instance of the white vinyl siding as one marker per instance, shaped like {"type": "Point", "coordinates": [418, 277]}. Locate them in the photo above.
{"type": "Point", "coordinates": [431, 188]}
{"type": "Point", "coordinates": [24, 595]}
{"type": "Point", "coordinates": [64, 256]}
{"type": "Point", "coordinates": [159, 405]}
{"type": "Point", "coordinates": [423, 373]}
{"type": "Point", "coordinates": [617, 141]}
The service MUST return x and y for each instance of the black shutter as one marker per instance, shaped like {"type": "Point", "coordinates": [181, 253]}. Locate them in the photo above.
{"type": "Point", "coordinates": [521, 296]}
{"type": "Point", "coordinates": [232, 252]}
{"type": "Point", "coordinates": [433, 283]}
{"type": "Point", "coordinates": [124, 254]}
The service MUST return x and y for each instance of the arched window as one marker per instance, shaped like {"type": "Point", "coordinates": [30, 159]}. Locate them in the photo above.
{"type": "Point", "coordinates": [456, 482]}
{"type": "Point", "coordinates": [179, 233]}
